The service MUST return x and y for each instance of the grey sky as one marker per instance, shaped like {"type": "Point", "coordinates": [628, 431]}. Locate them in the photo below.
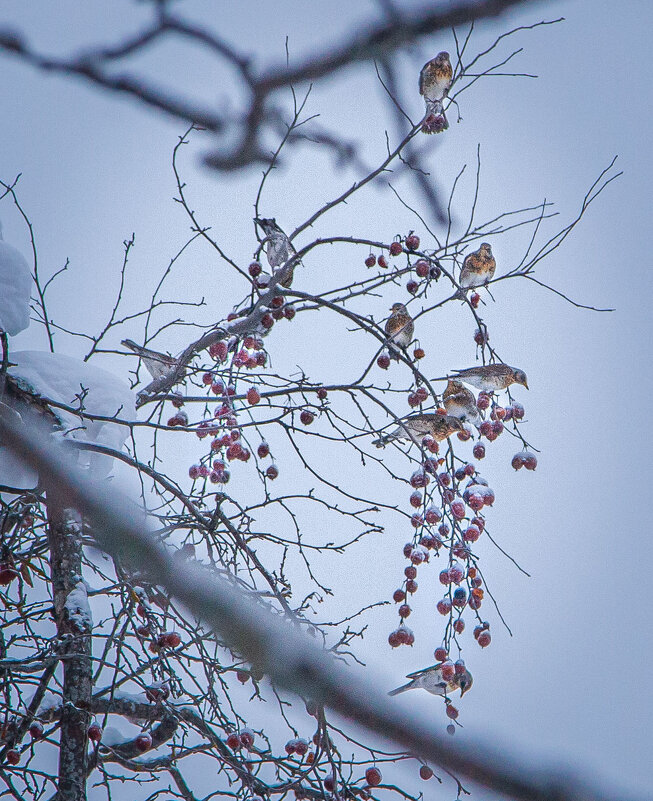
{"type": "Point", "coordinates": [573, 682]}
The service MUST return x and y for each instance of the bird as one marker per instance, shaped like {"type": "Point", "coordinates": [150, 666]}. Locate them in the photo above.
{"type": "Point", "coordinates": [157, 364]}
{"type": "Point", "coordinates": [460, 402]}
{"type": "Point", "coordinates": [279, 248]}
{"type": "Point", "coordinates": [478, 267]}
{"type": "Point", "coordinates": [434, 83]}
{"type": "Point", "coordinates": [399, 328]}
{"type": "Point", "coordinates": [431, 680]}
{"type": "Point", "coordinates": [492, 377]}
{"type": "Point", "coordinates": [415, 428]}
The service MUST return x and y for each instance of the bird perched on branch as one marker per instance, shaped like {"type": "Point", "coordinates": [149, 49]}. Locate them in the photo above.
{"type": "Point", "coordinates": [415, 428]}
{"type": "Point", "coordinates": [478, 267]}
{"type": "Point", "coordinates": [157, 364]}
{"type": "Point", "coordinates": [399, 328]}
{"type": "Point", "coordinates": [278, 248]}
{"type": "Point", "coordinates": [492, 377]}
{"type": "Point", "coordinates": [460, 402]}
{"type": "Point", "coordinates": [431, 680]}
{"type": "Point", "coordinates": [434, 83]}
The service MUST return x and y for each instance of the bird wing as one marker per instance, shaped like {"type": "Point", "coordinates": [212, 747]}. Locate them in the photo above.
{"type": "Point", "coordinates": [422, 671]}
{"type": "Point", "coordinates": [422, 77]}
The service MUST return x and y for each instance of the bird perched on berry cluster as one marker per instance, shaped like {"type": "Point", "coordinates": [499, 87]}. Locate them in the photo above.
{"type": "Point", "coordinates": [431, 680]}
{"type": "Point", "coordinates": [492, 377]}
{"type": "Point", "coordinates": [278, 248]}
{"type": "Point", "coordinates": [460, 402]}
{"type": "Point", "coordinates": [157, 364]}
{"type": "Point", "coordinates": [434, 83]}
{"type": "Point", "coordinates": [399, 328]}
{"type": "Point", "coordinates": [478, 267]}
{"type": "Point", "coordinates": [415, 428]}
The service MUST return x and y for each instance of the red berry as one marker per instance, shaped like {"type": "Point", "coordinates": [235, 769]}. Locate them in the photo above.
{"type": "Point", "coordinates": [277, 314]}
{"type": "Point", "coordinates": [458, 509]}
{"type": "Point", "coordinates": [272, 472]}
{"type": "Point", "coordinates": [412, 241]}
{"type": "Point", "coordinates": [451, 729]}
{"type": "Point", "coordinates": [143, 631]}
{"type": "Point", "coordinates": [329, 784]}
{"type": "Point", "coordinates": [441, 654]}
{"type": "Point", "coordinates": [143, 742]}
{"type": "Point", "coordinates": [247, 738]}
{"type": "Point", "coordinates": [307, 417]}
{"type": "Point", "coordinates": [456, 573]}
{"type": "Point", "coordinates": [398, 596]}
{"type": "Point", "coordinates": [254, 269]}
{"type": "Point", "coordinates": [207, 379]}
{"type": "Point", "coordinates": [444, 606]}
{"type": "Point", "coordinates": [418, 353]}
{"type": "Point", "coordinates": [373, 777]}
{"type": "Point", "coordinates": [12, 756]}
{"type": "Point", "coordinates": [233, 742]}
{"type": "Point", "coordinates": [412, 287]}
{"type": "Point", "coordinates": [418, 556]}
{"type": "Point", "coordinates": [242, 676]}
{"type": "Point", "coordinates": [383, 361]}
{"type": "Point", "coordinates": [476, 502]}
{"type": "Point", "coordinates": [410, 572]}
{"type": "Point", "coordinates": [445, 578]}
{"type": "Point", "coordinates": [484, 639]}
{"type": "Point", "coordinates": [322, 393]}
{"type": "Point", "coordinates": [416, 499]}
{"type": "Point", "coordinates": [382, 261]}
{"type": "Point", "coordinates": [289, 312]}
{"type": "Point", "coordinates": [530, 461]}
{"type": "Point", "coordinates": [413, 400]}
{"type": "Point", "coordinates": [422, 268]}
{"type": "Point", "coordinates": [479, 450]}
{"type": "Point", "coordinates": [433, 515]}
{"type": "Point", "coordinates": [459, 626]}
{"type": "Point", "coordinates": [452, 712]}
{"type": "Point", "coordinates": [393, 639]}
{"type": "Point", "coordinates": [267, 321]}
{"type": "Point", "coordinates": [483, 401]}
{"type": "Point", "coordinates": [370, 261]}
{"type": "Point", "coordinates": [517, 411]}
{"type": "Point", "coordinates": [447, 669]}
{"type": "Point", "coordinates": [301, 746]}
{"type": "Point", "coordinates": [411, 586]}
{"type": "Point", "coordinates": [464, 435]}
{"type": "Point", "coordinates": [425, 772]}
{"type": "Point", "coordinates": [263, 450]}
{"type": "Point", "coordinates": [471, 534]}
{"type": "Point", "coordinates": [404, 610]}
{"type": "Point", "coordinates": [290, 747]}
{"type": "Point", "coordinates": [36, 730]}
{"type": "Point", "coordinates": [416, 520]}
{"type": "Point", "coordinates": [475, 299]}
{"type": "Point", "coordinates": [253, 396]}
{"type": "Point", "coordinates": [395, 248]}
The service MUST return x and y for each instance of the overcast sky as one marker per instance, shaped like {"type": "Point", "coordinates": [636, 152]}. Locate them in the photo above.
{"type": "Point", "coordinates": [573, 682]}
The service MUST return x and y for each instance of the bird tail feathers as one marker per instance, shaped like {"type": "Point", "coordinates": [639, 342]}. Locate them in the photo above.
{"type": "Point", "coordinates": [401, 689]}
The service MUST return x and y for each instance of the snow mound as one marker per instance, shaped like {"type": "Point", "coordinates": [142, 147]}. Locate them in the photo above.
{"type": "Point", "coordinates": [15, 289]}
{"type": "Point", "coordinates": [75, 383]}
{"type": "Point", "coordinates": [79, 612]}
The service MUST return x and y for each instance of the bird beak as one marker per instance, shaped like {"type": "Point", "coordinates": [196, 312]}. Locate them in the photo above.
{"type": "Point", "coordinates": [526, 384]}
{"type": "Point", "coordinates": [463, 690]}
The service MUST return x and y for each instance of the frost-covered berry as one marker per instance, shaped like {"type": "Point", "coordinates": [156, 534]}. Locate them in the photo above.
{"type": "Point", "coordinates": [459, 626]}
{"type": "Point", "coordinates": [416, 499]}
{"type": "Point", "coordinates": [481, 336]}
{"type": "Point", "coordinates": [441, 654]}
{"type": "Point", "coordinates": [253, 396]}
{"type": "Point", "coordinates": [433, 515]}
{"type": "Point", "coordinates": [404, 610]}
{"type": "Point", "coordinates": [517, 411]}
{"type": "Point", "coordinates": [444, 606]}
{"type": "Point", "coordinates": [382, 261]}
{"type": "Point", "coordinates": [471, 534]}
{"type": "Point", "coordinates": [484, 639]}
{"type": "Point", "coordinates": [263, 450]}
{"type": "Point", "coordinates": [322, 393]}
{"type": "Point", "coordinates": [412, 287]}
{"type": "Point", "coordinates": [464, 435]}
{"type": "Point", "coordinates": [456, 573]}
{"type": "Point", "coordinates": [233, 742]}
{"type": "Point", "coordinates": [475, 299]}
{"type": "Point", "coordinates": [398, 596]}
{"type": "Point", "coordinates": [416, 520]}
{"type": "Point", "coordinates": [254, 269]}
{"type": "Point", "coordinates": [272, 472]}
{"type": "Point", "coordinates": [410, 572]}
{"type": "Point", "coordinates": [370, 261]}
{"type": "Point", "coordinates": [479, 451]}
{"type": "Point", "coordinates": [483, 401]}
{"type": "Point", "coordinates": [395, 248]}
{"type": "Point", "coordinates": [445, 577]}
{"type": "Point", "coordinates": [411, 586]}
{"type": "Point", "coordinates": [458, 509]}
{"type": "Point", "coordinates": [412, 241]}
{"type": "Point", "coordinates": [143, 742]}
{"type": "Point", "coordinates": [447, 669]}
{"type": "Point", "coordinates": [289, 312]}
{"type": "Point", "coordinates": [459, 597]}
{"type": "Point", "coordinates": [247, 738]}
{"type": "Point", "coordinates": [530, 461]}
{"type": "Point", "coordinates": [383, 361]}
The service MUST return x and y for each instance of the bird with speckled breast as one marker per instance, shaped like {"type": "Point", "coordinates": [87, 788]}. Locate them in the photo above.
{"type": "Point", "coordinates": [431, 680]}
{"type": "Point", "coordinates": [415, 428]}
{"type": "Point", "coordinates": [434, 84]}
{"type": "Point", "coordinates": [278, 248]}
{"type": "Point", "coordinates": [492, 377]}
{"type": "Point", "coordinates": [399, 328]}
{"type": "Point", "coordinates": [478, 268]}
{"type": "Point", "coordinates": [460, 402]}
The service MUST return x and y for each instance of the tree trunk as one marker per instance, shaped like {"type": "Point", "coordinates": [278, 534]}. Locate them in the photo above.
{"type": "Point", "coordinates": [74, 628]}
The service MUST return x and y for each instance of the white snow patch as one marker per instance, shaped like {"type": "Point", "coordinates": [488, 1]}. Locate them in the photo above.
{"type": "Point", "coordinates": [79, 612]}
{"type": "Point", "coordinates": [15, 289]}
{"type": "Point", "coordinates": [64, 379]}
